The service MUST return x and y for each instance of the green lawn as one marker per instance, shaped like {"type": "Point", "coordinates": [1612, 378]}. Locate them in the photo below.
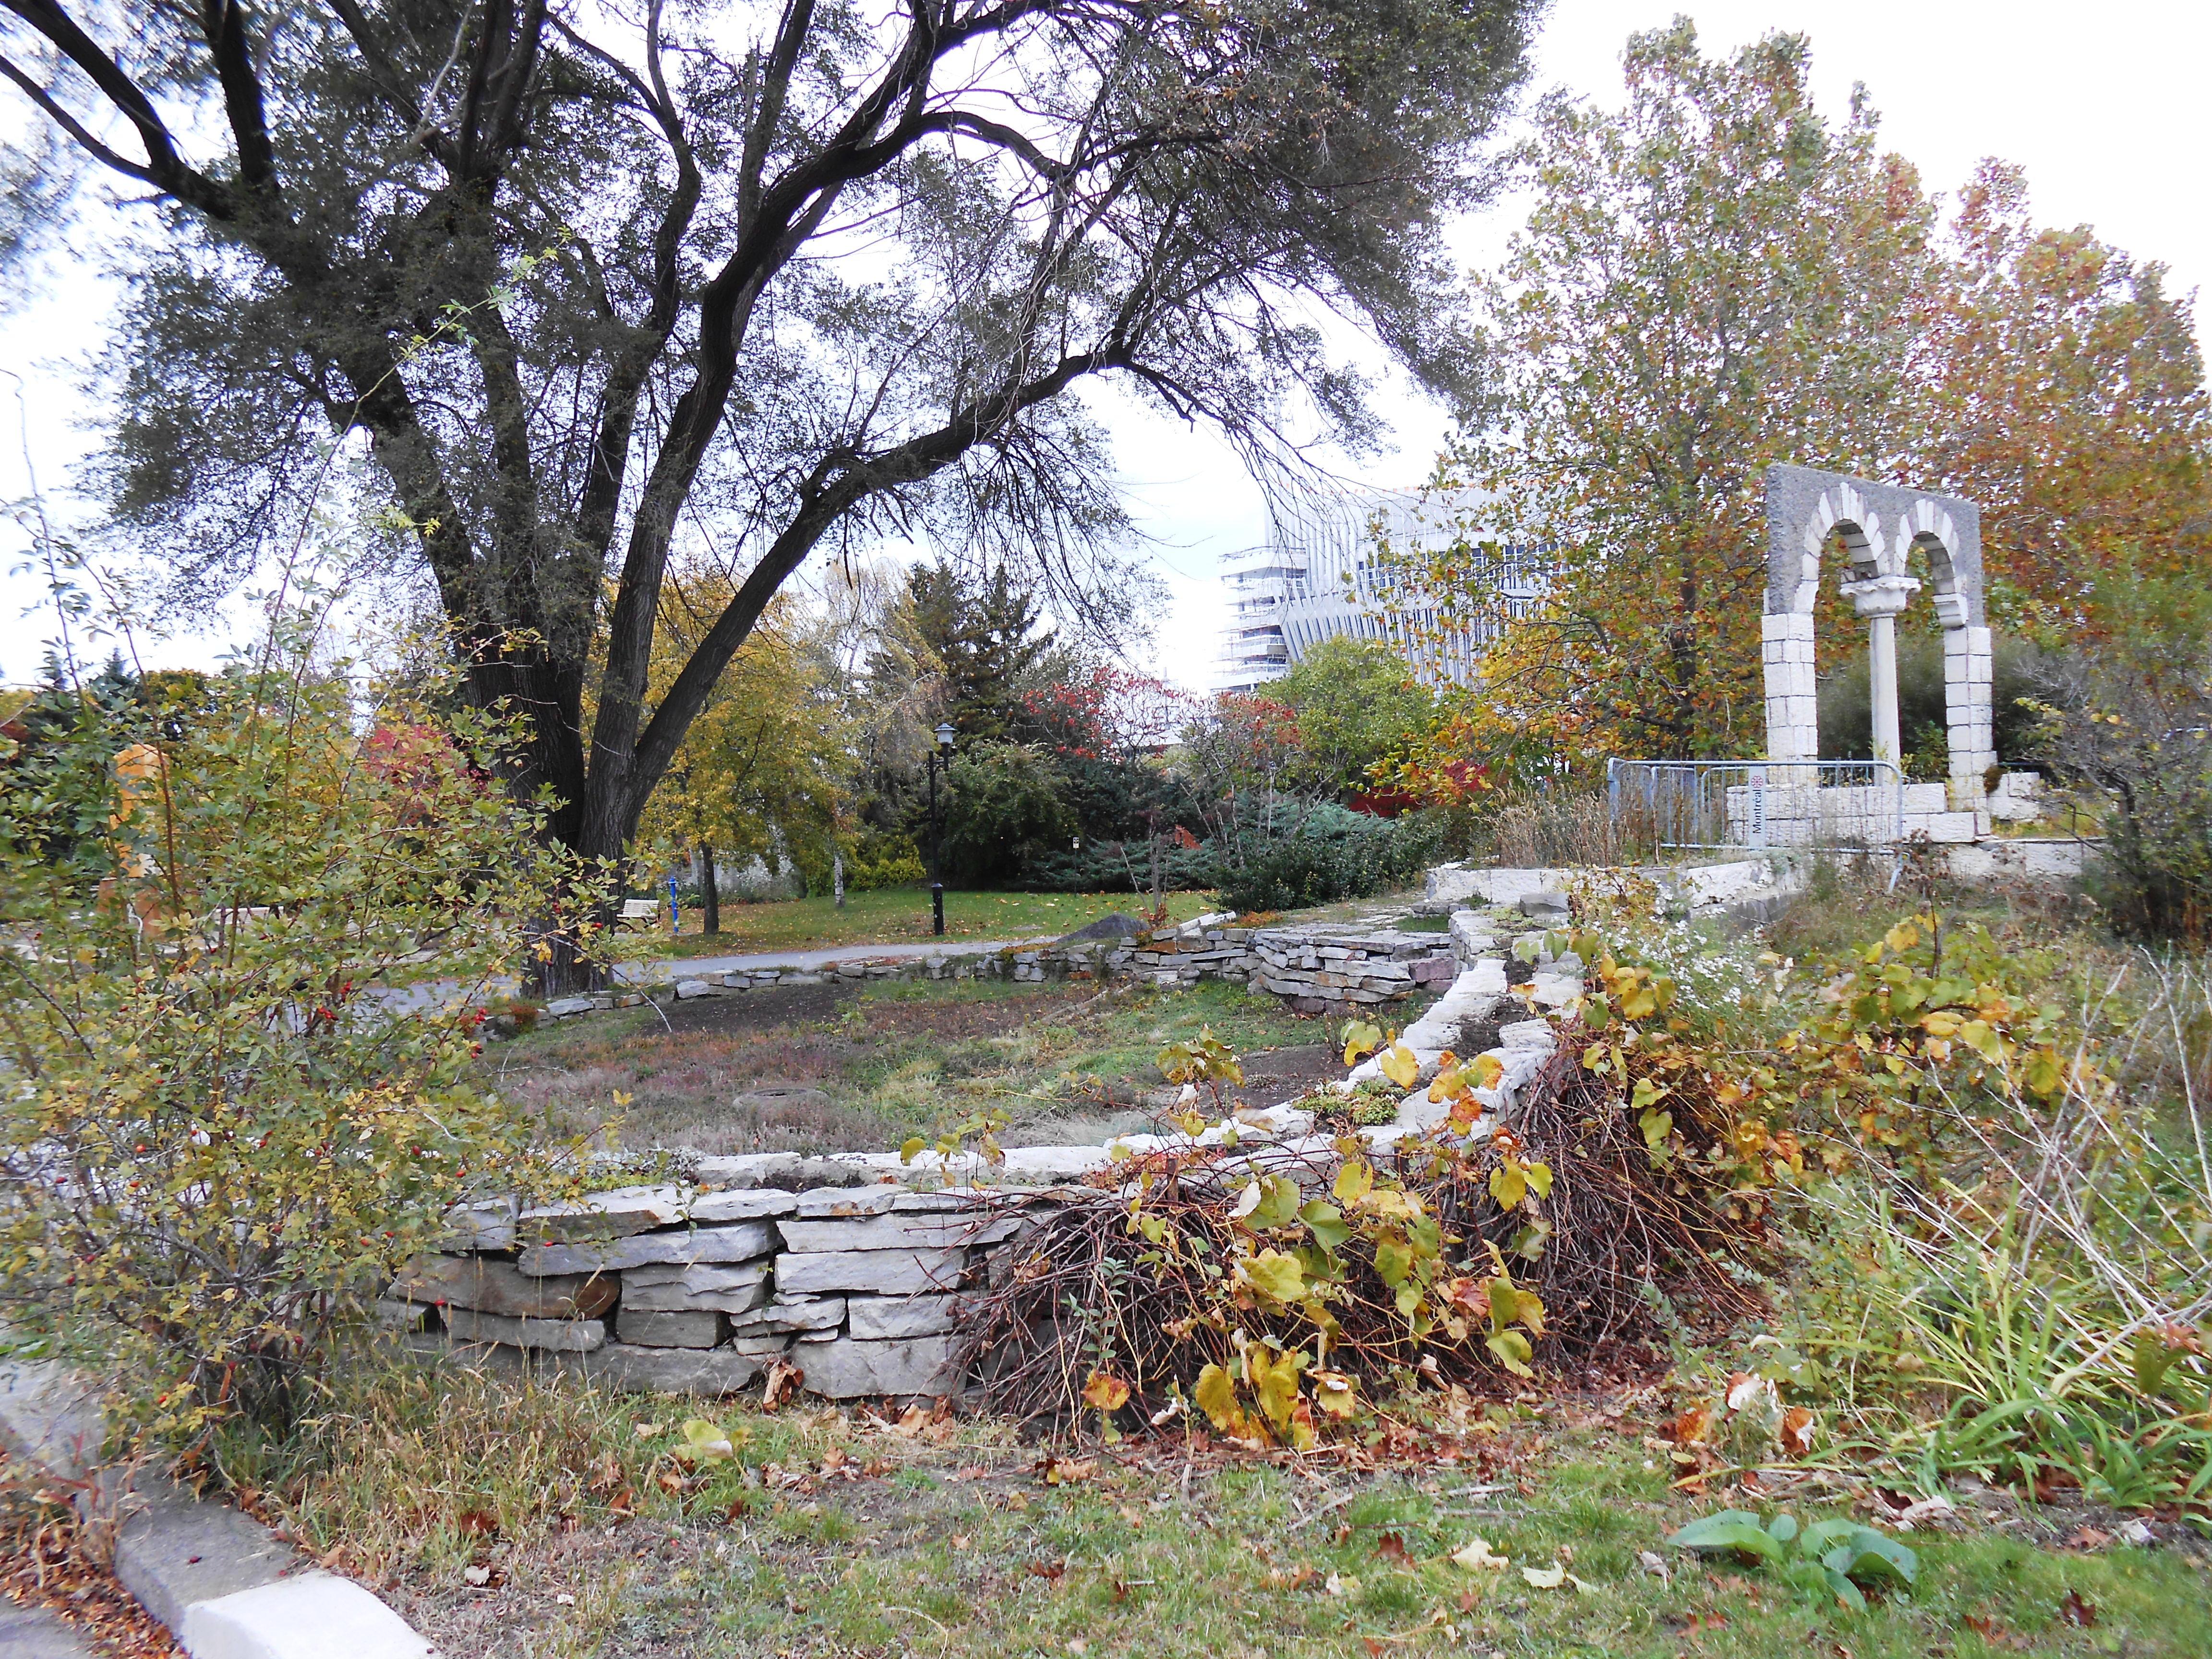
{"type": "Point", "coordinates": [834, 1535]}
{"type": "Point", "coordinates": [894, 913]}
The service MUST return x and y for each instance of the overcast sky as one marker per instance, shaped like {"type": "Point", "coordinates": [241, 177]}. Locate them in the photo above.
{"type": "Point", "coordinates": [2103, 106]}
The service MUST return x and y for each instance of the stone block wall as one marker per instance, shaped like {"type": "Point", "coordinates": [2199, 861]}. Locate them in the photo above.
{"type": "Point", "coordinates": [855, 1267]}
{"type": "Point", "coordinates": [680, 1288]}
{"type": "Point", "coordinates": [1322, 967]}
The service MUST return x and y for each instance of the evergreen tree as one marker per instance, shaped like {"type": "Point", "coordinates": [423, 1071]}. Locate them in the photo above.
{"type": "Point", "coordinates": [984, 636]}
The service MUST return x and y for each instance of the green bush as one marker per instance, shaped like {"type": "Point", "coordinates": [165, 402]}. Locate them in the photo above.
{"type": "Point", "coordinates": [876, 858]}
{"type": "Point", "coordinates": [220, 1133]}
{"type": "Point", "coordinates": [1006, 804]}
{"type": "Point", "coordinates": [1285, 855]}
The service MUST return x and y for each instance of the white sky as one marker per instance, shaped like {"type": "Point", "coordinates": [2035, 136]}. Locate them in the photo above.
{"type": "Point", "coordinates": [2103, 107]}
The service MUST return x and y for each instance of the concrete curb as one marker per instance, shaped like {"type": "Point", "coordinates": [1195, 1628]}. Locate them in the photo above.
{"type": "Point", "coordinates": [223, 1583]}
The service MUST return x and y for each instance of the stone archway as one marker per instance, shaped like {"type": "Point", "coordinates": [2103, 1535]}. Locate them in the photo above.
{"type": "Point", "coordinates": [1881, 525]}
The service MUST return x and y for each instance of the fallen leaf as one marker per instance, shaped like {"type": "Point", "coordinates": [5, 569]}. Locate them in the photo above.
{"type": "Point", "coordinates": [1796, 1431]}
{"type": "Point", "coordinates": [1391, 1547]}
{"type": "Point", "coordinates": [476, 1523]}
{"type": "Point", "coordinates": [1051, 1571]}
{"type": "Point", "coordinates": [1544, 1577]}
{"type": "Point", "coordinates": [1477, 1555]}
{"type": "Point", "coordinates": [2075, 1611]}
{"type": "Point", "coordinates": [1742, 1389]}
{"type": "Point", "coordinates": [2088, 1538]}
{"type": "Point", "coordinates": [1691, 1426]}
{"type": "Point", "coordinates": [973, 1472]}
{"type": "Point", "coordinates": [1066, 1471]}
{"type": "Point", "coordinates": [1988, 1629]}
{"type": "Point", "coordinates": [477, 1575]}
{"type": "Point", "coordinates": [783, 1383]}
{"type": "Point", "coordinates": [1338, 1585]}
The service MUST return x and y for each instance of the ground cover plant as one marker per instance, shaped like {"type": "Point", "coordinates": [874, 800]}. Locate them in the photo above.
{"type": "Point", "coordinates": [902, 915]}
{"type": "Point", "coordinates": [846, 1068]}
{"type": "Point", "coordinates": [626, 1527]}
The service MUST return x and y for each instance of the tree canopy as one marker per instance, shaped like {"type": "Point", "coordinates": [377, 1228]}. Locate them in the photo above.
{"type": "Point", "coordinates": [1716, 278]}
{"type": "Point", "coordinates": [588, 284]}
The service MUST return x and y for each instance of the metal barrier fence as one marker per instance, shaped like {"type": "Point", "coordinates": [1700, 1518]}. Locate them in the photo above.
{"type": "Point", "coordinates": [1758, 803]}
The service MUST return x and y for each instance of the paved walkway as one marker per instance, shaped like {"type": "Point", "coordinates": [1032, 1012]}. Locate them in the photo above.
{"type": "Point", "coordinates": [35, 1633]}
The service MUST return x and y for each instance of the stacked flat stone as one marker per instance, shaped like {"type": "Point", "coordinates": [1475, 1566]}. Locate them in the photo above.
{"type": "Point", "coordinates": [1324, 967]}
{"type": "Point", "coordinates": [673, 1288]}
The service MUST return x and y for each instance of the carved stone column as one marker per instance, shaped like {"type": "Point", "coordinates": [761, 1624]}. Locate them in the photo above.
{"type": "Point", "coordinates": [1879, 598]}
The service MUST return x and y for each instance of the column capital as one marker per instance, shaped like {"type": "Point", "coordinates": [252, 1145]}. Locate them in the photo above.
{"type": "Point", "coordinates": [1881, 595]}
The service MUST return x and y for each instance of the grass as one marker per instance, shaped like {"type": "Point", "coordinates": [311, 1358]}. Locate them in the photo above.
{"type": "Point", "coordinates": [509, 1518]}
{"type": "Point", "coordinates": [901, 914]}
{"type": "Point", "coordinates": [871, 1065]}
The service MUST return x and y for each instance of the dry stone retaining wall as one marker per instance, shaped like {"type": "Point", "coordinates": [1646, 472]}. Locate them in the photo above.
{"type": "Point", "coordinates": [854, 1267]}
{"type": "Point", "coordinates": [1317, 969]}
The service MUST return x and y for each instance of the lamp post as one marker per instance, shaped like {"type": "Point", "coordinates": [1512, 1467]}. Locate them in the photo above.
{"type": "Point", "coordinates": [940, 760]}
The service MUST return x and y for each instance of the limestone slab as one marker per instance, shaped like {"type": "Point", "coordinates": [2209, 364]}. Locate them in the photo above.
{"type": "Point", "coordinates": [491, 1286]}
{"type": "Point", "coordinates": [886, 1273]}
{"type": "Point", "coordinates": [610, 1214]}
{"type": "Point", "coordinates": [745, 1168]}
{"type": "Point", "coordinates": [683, 1246]}
{"type": "Point", "coordinates": [900, 1229]}
{"type": "Point", "coordinates": [745, 1204]}
{"type": "Point", "coordinates": [556, 1335]}
{"type": "Point", "coordinates": [693, 1328]}
{"type": "Point", "coordinates": [827, 1203]}
{"type": "Point", "coordinates": [825, 1313]}
{"type": "Point", "coordinates": [892, 1318]}
{"type": "Point", "coordinates": [671, 1370]}
{"type": "Point", "coordinates": [848, 1368]}
{"type": "Point", "coordinates": [731, 1290]}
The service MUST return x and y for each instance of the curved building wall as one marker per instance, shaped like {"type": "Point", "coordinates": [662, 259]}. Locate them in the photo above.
{"type": "Point", "coordinates": [1319, 578]}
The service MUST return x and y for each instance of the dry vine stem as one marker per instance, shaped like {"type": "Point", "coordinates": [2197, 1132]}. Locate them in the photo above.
{"type": "Point", "coordinates": [1082, 1294]}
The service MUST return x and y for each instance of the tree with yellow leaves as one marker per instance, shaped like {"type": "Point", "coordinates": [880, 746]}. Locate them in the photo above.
{"type": "Point", "coordinates": [763, 770]}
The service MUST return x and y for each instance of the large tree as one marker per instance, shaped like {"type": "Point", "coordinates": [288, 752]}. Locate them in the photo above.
{"type": "Point", "coordinates": [1710, 279]}
{"type": "Point", "coordinates": [593, 278]}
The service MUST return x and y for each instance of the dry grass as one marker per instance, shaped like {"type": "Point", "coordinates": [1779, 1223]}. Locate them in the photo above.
{"type": "Point", "coordinates": [49, 1559]}
{"type": "Point", "coordinates": [860, 1069]}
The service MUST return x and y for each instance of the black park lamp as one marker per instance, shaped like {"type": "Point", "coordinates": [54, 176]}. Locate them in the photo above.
{"type": "Point", "coordinates": [939, 761]}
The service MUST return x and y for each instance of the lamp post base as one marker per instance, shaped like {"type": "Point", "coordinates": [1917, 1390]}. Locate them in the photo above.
{"type": "Point", "coordinates": [937, 909]}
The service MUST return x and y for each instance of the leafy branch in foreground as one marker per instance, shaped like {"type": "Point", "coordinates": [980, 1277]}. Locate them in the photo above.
{"type": "Point", "coordinates": [239, 1025]}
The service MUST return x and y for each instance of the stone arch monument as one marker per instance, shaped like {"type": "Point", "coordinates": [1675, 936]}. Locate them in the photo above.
{"type": "Point", "coordinates": [1881, 525]}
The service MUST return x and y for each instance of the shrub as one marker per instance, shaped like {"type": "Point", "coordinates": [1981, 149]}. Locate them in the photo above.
{"type": "Point", "coordinates": [1280, 854]}
{"type": "Point", "coordinates": [220, 1131]}
{"type": "Point", "coordinates": [877, 858]}
{"type": "Point", "coordinates": [2131, 721]}
{"type": "Point", "coordinates": [1005, 803]}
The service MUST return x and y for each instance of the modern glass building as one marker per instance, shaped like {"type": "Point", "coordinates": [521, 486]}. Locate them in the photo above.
{"type": "Point", "coordinates": [1321, 575]}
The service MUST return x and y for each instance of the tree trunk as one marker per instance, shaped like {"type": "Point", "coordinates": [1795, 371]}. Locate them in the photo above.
{"type": "Point", "coordinates": [837, 873]}
{"type": "Point", "coordinates": [710, 894]}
